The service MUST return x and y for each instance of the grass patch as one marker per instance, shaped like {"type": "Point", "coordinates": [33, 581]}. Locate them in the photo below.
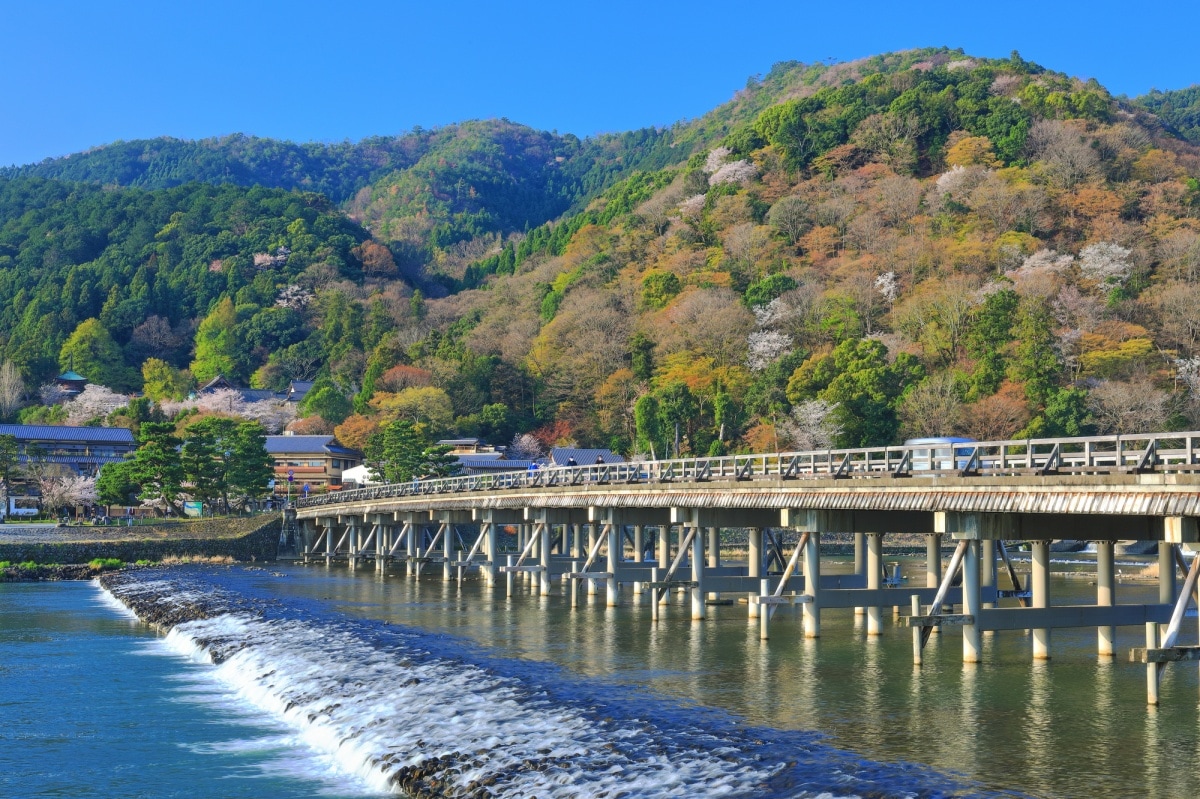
{"type": "Point", "coordinates": [101, 564]}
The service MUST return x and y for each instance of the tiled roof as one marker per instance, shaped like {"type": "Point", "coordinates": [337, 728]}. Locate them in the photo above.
{"type": "Point", "coordinates": [493, 465]}
{"type": "Point", "coordinates": [72, 376]}
{"type": "Point", "coordinates": [76, 459]}
{"type": "Point", "coordinates": [48, 432]}
{"type": "Point", "coordinates": [582, 457]}
{"type": "Point", "coordinates": [299, 445]}
{"type": "Point", "coordinates": [480, 456]}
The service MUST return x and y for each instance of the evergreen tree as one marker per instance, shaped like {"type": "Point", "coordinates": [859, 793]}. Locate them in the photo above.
{"type": "Point", "coordinates": [216, 344]}
{"type": "Point", "coordinates": [1035, 362]}
{"type": "Point", "coordinates": [91, 352]}
{"type": "Point", "coordinates": [117, 484]}
{"type": "Point", "coordinates": [251, 468]}
{"type": "Point", "coordinates": [157, 467]}
{"type": "Point", "coordinates": [396, 453]}
{"type": "Point", "coordinates": [648, 427]}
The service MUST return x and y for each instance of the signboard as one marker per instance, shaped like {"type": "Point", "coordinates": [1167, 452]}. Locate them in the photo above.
{"type": "Point", "coordinates": [291, 475]}
{"type": "Point", "coordinates": [306, 489]}
{"type": "Point", "coordinates": [193, 509]}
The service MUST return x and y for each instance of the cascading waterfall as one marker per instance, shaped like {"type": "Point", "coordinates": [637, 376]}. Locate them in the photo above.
{"type": "Point", "coordinates": [427, 716]}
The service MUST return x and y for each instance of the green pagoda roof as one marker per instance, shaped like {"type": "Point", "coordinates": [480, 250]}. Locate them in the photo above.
{"type": "Point", "coordinates": [71, 375]}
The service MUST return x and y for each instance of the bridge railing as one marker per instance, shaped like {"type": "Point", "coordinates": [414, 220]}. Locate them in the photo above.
{"type": "Point", "coordinates": [1166, 452]}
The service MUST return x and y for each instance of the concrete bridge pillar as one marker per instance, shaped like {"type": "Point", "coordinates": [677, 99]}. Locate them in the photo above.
{"type": "Point", "coordinates": [639, 543]}
{"type": "Point", "coordinates": [1105, 595]}
{"type": "Point", "coordinates": [714, 547]}
{"type": "Point", "coordinates": [987, 566]}
{"type": "Point", "coordinates": [491, 553]}
{"type": "Point", "coordinates": [860, 563]}
{"type": "Point", "coordinates": [933, 561]}
{"type": "Point", "coordinates": [874, 572]}
{"type": "Point", "coordinates": [615, 550]}
{"type": "Point", "coordinates": [972, 604]}
{"type": "Point", "coordinates": [812, 586]}
{"type": "Point", "coordinates": [544, 559]}
{"type": "Point", "coordinates": [1041, 595]}
{"type": "Point", "coordinates": [1168, 588]}
{"type": "Point", "coordinates": [754, 550]}
{"type": "Point", "coordinates": [697, 559]}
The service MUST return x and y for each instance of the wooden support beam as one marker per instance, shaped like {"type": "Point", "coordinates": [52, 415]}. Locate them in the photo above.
{"type": "Point", "coordinates": [518, 569]}
{"type": "Point", "coordinates": [941, 620]}
{"type": "Point", "coordinates": [1174, 654]}
{"type": "Point", "coordinates": [790, 599]}
{"type": "Point", "coordinates": [671, 584]}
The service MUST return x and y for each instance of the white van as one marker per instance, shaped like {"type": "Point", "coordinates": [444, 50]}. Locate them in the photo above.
{"type": "Point", "coordinates": [940, 453]}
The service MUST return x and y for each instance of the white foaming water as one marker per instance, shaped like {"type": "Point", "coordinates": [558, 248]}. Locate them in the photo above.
{"type": "Point", "coordinates": [374, 711]}
{"type": "Point", "coordinates": [280, 753]}
{"type": "Point", "coordinates": [109, 601]}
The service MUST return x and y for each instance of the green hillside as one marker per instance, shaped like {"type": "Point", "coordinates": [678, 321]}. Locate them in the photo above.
{"type": "Point", "coordinates": [912, 244]}
{"type": "Point", "coordinates": [1179, 110]}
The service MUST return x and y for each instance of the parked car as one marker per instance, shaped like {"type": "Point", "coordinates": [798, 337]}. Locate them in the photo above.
{"type": "Point", "coordinates": [939, 453]}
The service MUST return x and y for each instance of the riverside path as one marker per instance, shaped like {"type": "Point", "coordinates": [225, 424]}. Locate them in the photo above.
{"type": "Point", "coordinates": [654, 527]}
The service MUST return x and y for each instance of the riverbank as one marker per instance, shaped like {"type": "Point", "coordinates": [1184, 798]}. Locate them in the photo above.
{"type": "Point", "coordinates": [63, 553]}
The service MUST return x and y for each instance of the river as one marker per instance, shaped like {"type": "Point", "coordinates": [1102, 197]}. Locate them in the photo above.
{"type": "Point", "coordinates": [336, 683]}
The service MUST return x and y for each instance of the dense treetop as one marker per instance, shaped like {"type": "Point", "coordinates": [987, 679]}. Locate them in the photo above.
{"type": "Point", "coordinates": [1179, 109]}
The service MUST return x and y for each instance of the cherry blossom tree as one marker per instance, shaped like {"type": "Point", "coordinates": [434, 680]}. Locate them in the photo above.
{"type": "Point", "coordinates": [94, 401]}
{"type": "Point", "coordinates": [734, 172]}
{"type": "Point", "coordinates": [525, 447]}
{"type": "Point", "coordinates": [1106, 263]}
{"type": "Point", "coordinates": [810, 426]}
{"type": "Point", "coordinates": [66, 491]}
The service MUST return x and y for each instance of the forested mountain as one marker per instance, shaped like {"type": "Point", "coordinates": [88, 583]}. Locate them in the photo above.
{"type": "Point", "coordinates": [424, 191]}
{"type": "Point", "coordinates": [106, 278]}
{"type": "Point", "coordinates": [1179, 109]}
{"type": "Point", "coordinates": [917, 243]}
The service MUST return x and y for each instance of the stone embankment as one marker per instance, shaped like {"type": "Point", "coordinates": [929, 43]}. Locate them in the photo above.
{"type": "Point", "coordinates": [249, 538]}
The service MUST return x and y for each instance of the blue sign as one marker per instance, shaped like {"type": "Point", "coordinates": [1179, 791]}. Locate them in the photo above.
{"type": "Point", "coordinates": [291, 476]}
{"type": "Point", "coordinates": [305, 489]}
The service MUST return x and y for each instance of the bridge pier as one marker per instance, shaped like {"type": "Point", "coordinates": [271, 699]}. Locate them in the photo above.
{"type": "Point", "coordinates": [1040, 586]}
{"type": "Point", "coordinates": [972, 602]}
{"type": "Point", "coordinates": [860, 563]}
{"type": "Point", "coordinates": [1105, 596]}
{"type": "Point", "coordinates": [1007, 491]}
{"type": "Point", "coordinates": [874, 571]}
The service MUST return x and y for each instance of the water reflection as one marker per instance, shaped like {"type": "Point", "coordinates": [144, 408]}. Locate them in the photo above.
{"type": "Point", "coordinates": [1060, 728]}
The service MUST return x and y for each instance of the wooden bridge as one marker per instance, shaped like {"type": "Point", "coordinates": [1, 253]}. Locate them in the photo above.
{"type": "Point", "coordinates": [981, 495]}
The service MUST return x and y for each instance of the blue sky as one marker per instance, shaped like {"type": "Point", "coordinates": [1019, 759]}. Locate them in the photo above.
{"type": "Point", "coordinates": [75, 75]}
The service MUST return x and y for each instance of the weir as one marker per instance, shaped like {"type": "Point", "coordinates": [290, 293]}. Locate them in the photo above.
{"type": "Point", "coordinates": [638, 532]}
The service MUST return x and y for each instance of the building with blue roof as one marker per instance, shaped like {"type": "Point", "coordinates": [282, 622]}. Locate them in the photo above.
{"type": "Point", "coordinates": [573, 456]}
{"type": "Point", "coordinates": [83, 450]}
{"type": "Point", "coordinates": [316, 461]}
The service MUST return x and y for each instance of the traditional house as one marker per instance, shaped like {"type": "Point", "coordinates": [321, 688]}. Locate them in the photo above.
{"type": "Point", "coordinates": [315, 461]}
{"type": "Point", "coordinates": [248, 394]}
{"type": "Point", "coordinates": [82, 450]}
{"type": "Point", "coordinates": [571, 456]}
